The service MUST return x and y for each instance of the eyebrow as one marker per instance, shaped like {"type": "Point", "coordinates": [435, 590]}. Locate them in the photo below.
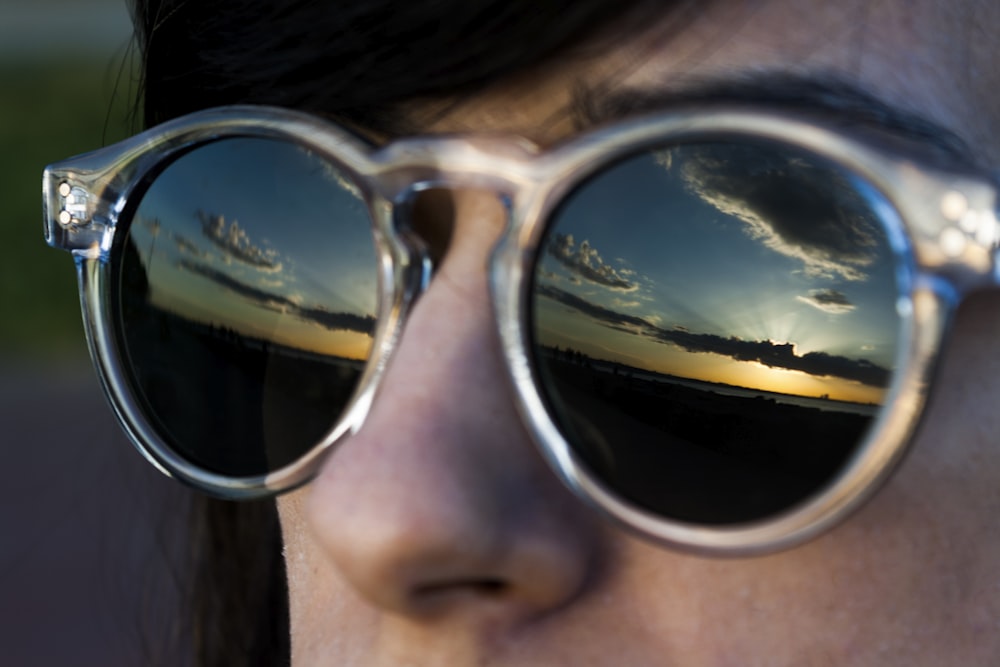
{"type": "Point", "coordinates": [840, 101]}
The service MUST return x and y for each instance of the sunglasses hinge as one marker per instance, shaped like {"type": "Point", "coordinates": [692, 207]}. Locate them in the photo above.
{"type": "Point", "coordinates": [72, 222]}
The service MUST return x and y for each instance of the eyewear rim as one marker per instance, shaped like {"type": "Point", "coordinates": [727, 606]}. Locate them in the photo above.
{"type": "Point", "coordinates": [941, 224]}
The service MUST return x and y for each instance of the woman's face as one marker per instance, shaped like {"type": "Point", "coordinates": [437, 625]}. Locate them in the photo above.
{"type": "Point", "coordinates": [437, 535]}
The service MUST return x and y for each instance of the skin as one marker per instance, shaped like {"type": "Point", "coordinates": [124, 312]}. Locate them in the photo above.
{"type": "Point", "coordinates": [437, 535]}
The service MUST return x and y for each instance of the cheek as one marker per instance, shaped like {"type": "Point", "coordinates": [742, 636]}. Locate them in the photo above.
{"type": "Point", "coordinates": [911, 578]}
{"type": "Point", "coordinates": [901, 583]}
{"type": "Point", "coordinates": [954, 465]}
{"type": "Point", "coordinates": [327, 618]}
{"type": "Point", "coordinates": [919, 562]}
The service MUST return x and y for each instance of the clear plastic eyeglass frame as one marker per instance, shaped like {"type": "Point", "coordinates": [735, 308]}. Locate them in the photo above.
{"type": "Point", "coordinates": [942, 226]}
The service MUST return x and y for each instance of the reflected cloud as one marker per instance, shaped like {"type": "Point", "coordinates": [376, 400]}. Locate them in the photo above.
{"type": "Point", "coordinates": [257, 295]}
{"type": "Point", "coordinates": [334, 321]}
{"type": "Point", "coordinates": [768, 353]}
{"type": "Point", "coordinates": [797, 208]}
{"type": "Point", "coordinates": [236, 244]}
{"type": "Point", "coordinates": [622, 321]}
{"type": "Point", "coordinates": [828, 300]}
{"type": "Point", "coordinates": [277, 283]}
{"type": "Point", "coordinates": [187, 247]}
{"type": "Point", "coordinates": [548, 275]}
{"type": "Point", "coordinates": [585, 262]}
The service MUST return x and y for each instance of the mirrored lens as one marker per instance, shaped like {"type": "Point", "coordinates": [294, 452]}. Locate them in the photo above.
{"type": "Point", "coordinates": [247, 289]}
{"type": "Point", "coordinates": [715, 327]}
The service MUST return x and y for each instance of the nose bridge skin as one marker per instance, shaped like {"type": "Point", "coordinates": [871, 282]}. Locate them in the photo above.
{"type": "Point", "coordinates": [440, 506]}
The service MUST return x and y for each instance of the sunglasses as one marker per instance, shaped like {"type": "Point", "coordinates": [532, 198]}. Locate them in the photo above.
{"type": "Point", "coordinates": [720, 326]}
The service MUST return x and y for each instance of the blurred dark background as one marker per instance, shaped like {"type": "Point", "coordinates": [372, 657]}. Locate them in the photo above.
{"type": "Point", "coordinates": [90, 535]}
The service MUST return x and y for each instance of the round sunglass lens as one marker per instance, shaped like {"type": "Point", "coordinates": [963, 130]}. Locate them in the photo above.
{"type": "Point", "coordinates": [714, 327]}
{"type": "Point", "coordinates": [246, 292]}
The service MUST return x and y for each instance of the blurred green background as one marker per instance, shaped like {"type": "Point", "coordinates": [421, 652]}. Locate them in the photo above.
{"type": "Point", "coordinates": [85, 567]}
{"type": "Point", "coordinates": [67, 85]}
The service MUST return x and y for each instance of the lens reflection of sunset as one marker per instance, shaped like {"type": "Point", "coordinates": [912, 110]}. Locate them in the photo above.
{"type": "Point", "coordinates": [566, 330]}
{"type": "Point", "coordinates": [263, 238]}
{"type": "Point", "coordinates": [692, 268]}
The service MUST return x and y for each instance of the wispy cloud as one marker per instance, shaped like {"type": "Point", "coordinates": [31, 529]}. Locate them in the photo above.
{"type": "Point", "coordinates": [319, 315]}
{"type": "Point", "coordinates": [622, 303]}
{"type": "Point", "coordinates": [585, 262]}
{"type": "Point", "coordinates": [236, 244]}
{"type": "Point", "coordinates": [187, 247]}
{"type": "Point", "coordinates": [797, 208]}
{"type": "Point", "coordinates": [594, 311]}
{"type": "Point", "coordinates": [828, 300]}
{"type": "Point", "coordinates": [768, 353]}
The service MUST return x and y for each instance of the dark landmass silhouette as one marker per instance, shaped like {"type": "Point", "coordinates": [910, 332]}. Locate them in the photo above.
{"type": "Point", "coordinates": [231, 402]}
{"type": "Point", "coordinates": [695, 454]}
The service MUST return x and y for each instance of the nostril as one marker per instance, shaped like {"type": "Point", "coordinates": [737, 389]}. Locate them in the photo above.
{"type": "Point", "coordinates": [485, 587]}
{"type": "Point", "coordinates": [432, 600]}
{"type": "Point", "coordinates": [491, 586]}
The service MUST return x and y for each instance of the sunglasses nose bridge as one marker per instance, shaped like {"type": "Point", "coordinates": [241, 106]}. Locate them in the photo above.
{"type": "Point", "coordinates": [425, 210]}
{"type": "Point", "coordinates": [430, 219]}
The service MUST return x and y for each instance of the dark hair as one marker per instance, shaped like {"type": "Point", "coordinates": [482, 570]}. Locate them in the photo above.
{"type": "Point", "coordinates": [353, 61]}
{"type": "Point", "coordinates": [356, 62]}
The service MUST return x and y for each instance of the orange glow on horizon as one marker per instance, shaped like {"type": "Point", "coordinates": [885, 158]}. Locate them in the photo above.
{"type": "Point", "coordinates": [715, 368]}
{"type": "Point", "coordinates": [754, 375]}
{"type": "Point", "coordinates": [289, 331]}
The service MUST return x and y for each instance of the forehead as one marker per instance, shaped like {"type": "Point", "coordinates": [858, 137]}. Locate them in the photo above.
{"type": "Point", "coordinates": [924, 57]}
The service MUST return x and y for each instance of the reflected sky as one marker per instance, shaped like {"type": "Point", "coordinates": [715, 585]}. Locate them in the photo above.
{"type": "Point", "coordinates": [734, 264]}
{"type": "Point", "coordinates": [265, 238]}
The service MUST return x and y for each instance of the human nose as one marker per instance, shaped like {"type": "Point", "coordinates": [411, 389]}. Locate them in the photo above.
{"type": "Point", "coordinates": [440, 503]}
